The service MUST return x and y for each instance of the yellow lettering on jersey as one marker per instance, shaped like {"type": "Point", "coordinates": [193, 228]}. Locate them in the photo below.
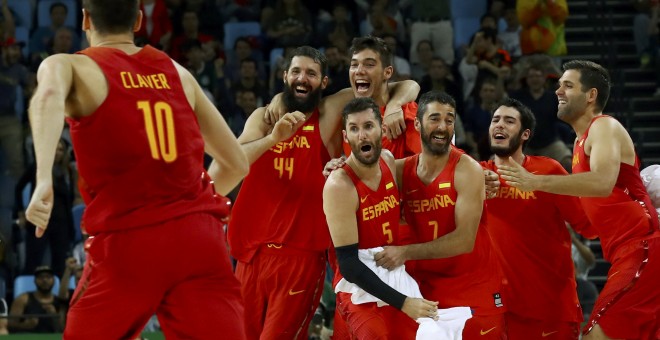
{"type": "Point", "coordinates": [298, 142]}
{"type": "Point", "coordinates": [135, 81]}
{"type": "Point", "coordinates": [444, 185]}
{"type": "Point", "coordinates": [515, 193]}
{"type": "Point", "coordinates": [308, 128]}
{"type": "Point", "coordinates": [380, 208]}
{"type": "Point", "coordinates": [576, 160]}
{"type": "Point", "coordinates": [435, 203]}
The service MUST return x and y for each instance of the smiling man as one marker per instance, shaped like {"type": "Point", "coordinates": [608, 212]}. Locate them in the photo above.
{"type": "Point", "coordinates": [369, 73]}
{"type": "Point", "coordinates": [530, 237]}
{"type": "Point", "coordinates": [607, 181]}
{"type": "Point", "coordinates": [443, 194]}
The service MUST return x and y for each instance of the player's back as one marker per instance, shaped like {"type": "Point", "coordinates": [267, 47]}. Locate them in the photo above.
{"type": "Point", "coordinates": [141, 151]}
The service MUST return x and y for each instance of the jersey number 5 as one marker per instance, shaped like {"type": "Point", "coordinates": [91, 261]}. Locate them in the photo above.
{"type": "Point", "coordinates": [162, 139]}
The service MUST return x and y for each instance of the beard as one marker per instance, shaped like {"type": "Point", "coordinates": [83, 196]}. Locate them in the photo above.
{"type": "Point", "coordinates": [506, 151]}
{"type": "Point", "coordinates": [436, 150]}
{"type": "Point", "coordinates": [368, 161]}
{"type": "Point", "coordinates": [305, 105]}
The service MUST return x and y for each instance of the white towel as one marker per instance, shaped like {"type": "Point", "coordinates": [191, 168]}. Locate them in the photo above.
{"type": "Point", "coordinates": [451, 321]}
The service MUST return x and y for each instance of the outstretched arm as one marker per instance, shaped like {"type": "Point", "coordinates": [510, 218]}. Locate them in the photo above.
{"type": "Point", "coordinates": [46, 112]}
{"type": "Point", "coordinates": [604, 161]}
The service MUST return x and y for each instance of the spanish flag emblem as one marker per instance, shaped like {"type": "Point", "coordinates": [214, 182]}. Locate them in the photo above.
{"type": "Point", "coordinates": [389, 185]}
{"type": "Point", "coordinates": [444, 185]}
{"type": "Point", "coordinates": [308, 127]}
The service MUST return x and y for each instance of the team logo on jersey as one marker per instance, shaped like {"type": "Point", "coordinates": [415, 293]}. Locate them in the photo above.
{"type": "Point", "coordinates": [308, 128]}
{"type": "Point", "coordinates": [389, 185]}
{"type": "Point", "coordinates": [581, 142]}
{"type": "Point", "coordinates": [498, 300]}
{"type": "Point", "coordinates": [444, 185]}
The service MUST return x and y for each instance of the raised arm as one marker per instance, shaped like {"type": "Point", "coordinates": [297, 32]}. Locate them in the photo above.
{"type": "Point", "coordinates": [257, 137]}
{"type": "Point", "coordinates": [47, 111]}
{"type": "Point", "coordinates": [606, 139]}
{"type": "Point", "coordinates": [229, 162]}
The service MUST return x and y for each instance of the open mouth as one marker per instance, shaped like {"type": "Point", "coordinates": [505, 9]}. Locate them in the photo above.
{"type": "Point", "coordinates": [439, 138]}
{"type": "Point", "coordinates": [301, 90]}
{"type": "Point", "coordinates": [499, 136]}
{"type": "Point", "coordinates": [366, 148]}
{"type": "Point", "coordinates": [362, 86]}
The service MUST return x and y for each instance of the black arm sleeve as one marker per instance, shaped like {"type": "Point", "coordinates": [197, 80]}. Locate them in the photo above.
{"type": "Point", "coordinates": [356, 272]}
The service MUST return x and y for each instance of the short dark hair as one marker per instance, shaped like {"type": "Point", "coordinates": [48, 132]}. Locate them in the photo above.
{"type": "Point", "coordinates": [358, 105]}
{"type": "Point", "coordinates": [376, 44]}
{"type": "Point", "coordinates": [312, 53]}
{"type": "Point", "coordinates": [592, 76]}
{"type": "Point", "coordinates": [432, 97]}
{"type": "Point", "coordinates": [58, 4]}
{"type": "Point", "coordinates": [112, 17]}
{"type": "Point", "coordinates": [527, 118]}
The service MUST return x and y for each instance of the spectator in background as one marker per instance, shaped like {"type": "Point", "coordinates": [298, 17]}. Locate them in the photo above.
{"type": "Point", "coordinates": [190, 25]}
{"type": "Point", "coordinates": [12, 74]}
{"type": "Point", "coordinates": [337, 70]}
{"type": "Point", "coordinates": [488, 20]}
{"type": "Point", "coordinates": [290, 24]}
{"type": "Point", "coordinates": [41, 39]}
{"type": "Point", "coordinates": [542, 24]}
{"type": "Point", "coordinates": [401, 66]}
{"type": "Point", "coordinates": [7, 22]}
{"type": "Point", "coordinates": [246, 103]}
{"type": "Point", "coordinates": [484, 59]}
{"type": "Point", "coordinates": [72, 269]}
{"type": "Point", "coordinates": [543, 103]}
{"type": "Point", "coordinates": [431, 20]}
{"type": "Point", "coordinates": [62, 42]}
{"type": "Point", "coordinates": [203, 71]}
{"type": "Point", "coordinates": [384, 17]}
{"type": "Point", "coordinates": [339, 31]}
{"type": "Point", "coordinates": [210, 19]}
{"type": "Point", "coordinates": [439, 78]}
{"type": "Point", "coordinates": [40, 302]}
{"type": "Point", "coordinates": [645, 32]}
{"type": "Point", "coordinates": [424, 56]}
{"type": "Point", "coordinates": [243, 49]}
{"type": "Point", "coordinates": [240, 10]}
{"type": "Point", "coordinates": [276, 80]}
{"type": "Point", "coordinates": [478, 117]}
{"type": "Point", "coordinates": [156, 24]}
{"type": "Point", "coordinates": [60, 226]}
{"type": "Point", "coordinates": [248, 80]}
{"type": "Point", "coordinates": [510, 36]}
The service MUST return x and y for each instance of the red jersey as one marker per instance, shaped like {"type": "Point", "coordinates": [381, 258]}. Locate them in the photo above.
{"type": "Point", "coordinates": [281, 199]}
{"type": "Point", "coordinates": [378, 213]}
{"type": "Point", "coordinates": [141, 152]}
{"type": "Point", "coordinates": [534, 247]}
{"type": "Point", "coordinates": [408, 143]}
{"type": "Point", "coordinates": [627, 213]}
{"type": "Point", "coordinates": [429, 210]}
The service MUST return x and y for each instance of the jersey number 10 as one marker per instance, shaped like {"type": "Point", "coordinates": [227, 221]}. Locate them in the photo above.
{"type": "Point", "coordinates": [162, 139]}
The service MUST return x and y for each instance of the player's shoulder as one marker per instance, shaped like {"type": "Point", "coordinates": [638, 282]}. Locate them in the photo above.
{"type": "Point", "coordinates": [543, 165]}
{"type": "Point", "coordinates": [338, 182]}
{"type": "Point", "coordinates": [467, 162]}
